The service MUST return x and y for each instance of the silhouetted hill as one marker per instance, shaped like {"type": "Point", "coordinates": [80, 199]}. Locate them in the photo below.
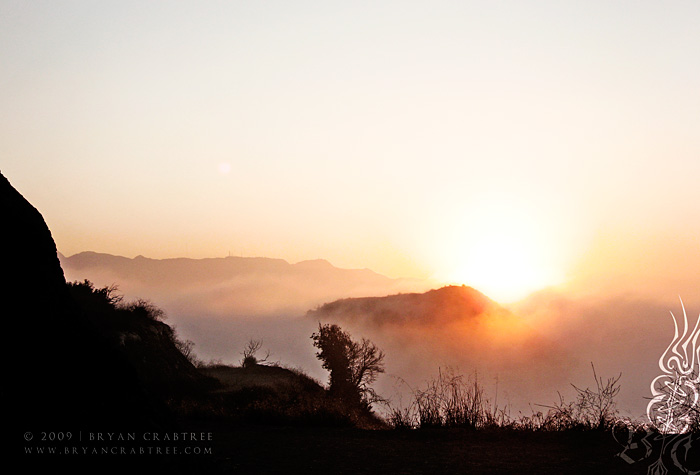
{"type": "Point", "coordinates": [455, 326]}
{"type": "Point", "coordinates": [444, 305]}
{"type": "Point", "coordinates": [150, 346]}
{"type": "Point", "coordinates": [232, 286]}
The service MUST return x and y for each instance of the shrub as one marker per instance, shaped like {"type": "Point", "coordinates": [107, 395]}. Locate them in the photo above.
{"type": "Point", "coordinates": [353, 366]}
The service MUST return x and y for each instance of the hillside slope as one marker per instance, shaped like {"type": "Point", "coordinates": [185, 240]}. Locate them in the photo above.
{"type": "Point", "coordinates": [270, 394]}
{"type": "Point", "coordinates": [151, 347]}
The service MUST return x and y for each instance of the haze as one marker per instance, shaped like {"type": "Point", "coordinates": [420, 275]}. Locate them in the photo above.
{"type": "Point", "coordinates": [510, 146]}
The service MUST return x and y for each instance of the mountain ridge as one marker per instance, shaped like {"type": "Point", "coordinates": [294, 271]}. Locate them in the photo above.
{"type": "Point", "coordinates": [232, 285]}
{"type": "Point", "coordinates": [86, 258]}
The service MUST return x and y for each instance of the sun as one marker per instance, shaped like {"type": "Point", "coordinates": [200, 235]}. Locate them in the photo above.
{"type": "Point", "coordinates": [504, 267]}
{"type": "Point", "coordinates": [505, 254]}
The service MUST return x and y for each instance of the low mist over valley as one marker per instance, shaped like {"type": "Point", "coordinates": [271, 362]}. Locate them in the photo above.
{"type": "Point", "coordinates": [232, 287]}
{"type": "Point", "coordinates": [524, 353]}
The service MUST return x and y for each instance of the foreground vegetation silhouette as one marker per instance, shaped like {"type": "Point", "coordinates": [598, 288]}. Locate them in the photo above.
{"type": "Point", "coordinates": [239, 402]}
{"type": "Point", "coordinates": [88, 361]}
{"type": "Point", "coordinates": [353, 365]}
{"type": "Point", "coordinates": [453, 400]}
{"type": "Point", "coordinates": [269, 393]}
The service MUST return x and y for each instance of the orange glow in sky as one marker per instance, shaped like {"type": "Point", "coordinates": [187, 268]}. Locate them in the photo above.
{"type": "Point", "coordinates": [508, 146]}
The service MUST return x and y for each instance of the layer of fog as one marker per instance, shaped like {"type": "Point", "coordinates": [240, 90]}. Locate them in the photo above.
{"type": "Point", "coordinates": [624, 334]}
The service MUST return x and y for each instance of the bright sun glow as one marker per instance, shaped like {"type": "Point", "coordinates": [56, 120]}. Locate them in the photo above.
{"type": "Point", "coordinates": [504, 253]}
{"type": "Point", "coordinates": [504, 268]}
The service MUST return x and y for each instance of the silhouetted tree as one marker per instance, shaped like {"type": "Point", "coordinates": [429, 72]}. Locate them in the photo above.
{"type": "Point", "coordinates": [353, 366]}
{"type": "Point", "coordinates": [186, 347]}
{"type": "Point", "coordinates": [251, 349]}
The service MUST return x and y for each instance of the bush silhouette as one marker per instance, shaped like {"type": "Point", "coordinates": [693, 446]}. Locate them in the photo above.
{"type": "Point", "coordinates": [353, 366]}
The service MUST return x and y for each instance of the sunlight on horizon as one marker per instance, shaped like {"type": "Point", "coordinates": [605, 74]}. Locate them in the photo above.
{"type": "Point", "coordinates": [506, 248]}
{"type": "Point", "coordinates": [502, 268]}
{"type": "Point", "coordinates": [479, 143]}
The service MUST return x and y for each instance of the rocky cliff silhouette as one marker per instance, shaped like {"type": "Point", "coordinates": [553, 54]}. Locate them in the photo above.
{"type": "Point", "coordinates": [64, 374]}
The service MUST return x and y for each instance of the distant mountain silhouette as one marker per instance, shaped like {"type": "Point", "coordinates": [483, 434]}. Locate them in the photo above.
{"type": "Point", "coordinates": [232, 286]}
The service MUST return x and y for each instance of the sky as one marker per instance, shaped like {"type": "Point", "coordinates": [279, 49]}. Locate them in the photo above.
{"type": "Point", "coordinates": [507, 145]}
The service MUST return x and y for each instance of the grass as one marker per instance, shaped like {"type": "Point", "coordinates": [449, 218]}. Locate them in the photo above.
{"type": "Point", "coordinates": [454, 401]}
{"type": "Point", "coordinates": [292, 427]}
